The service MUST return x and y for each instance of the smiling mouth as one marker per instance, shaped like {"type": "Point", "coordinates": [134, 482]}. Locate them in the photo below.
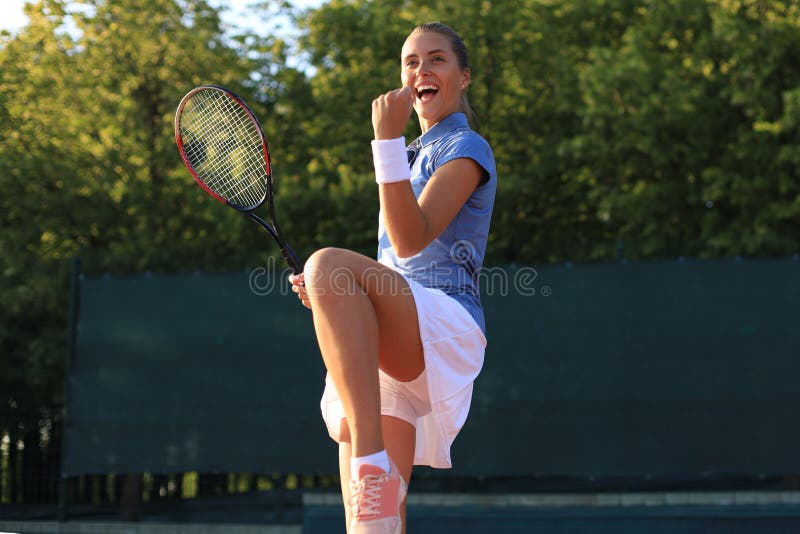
{"type": "Point", "coordinates": [426, 92]}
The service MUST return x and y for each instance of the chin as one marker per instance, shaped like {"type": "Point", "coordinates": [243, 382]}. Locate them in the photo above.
{"type": "Point", "coordinates": [427, 114]}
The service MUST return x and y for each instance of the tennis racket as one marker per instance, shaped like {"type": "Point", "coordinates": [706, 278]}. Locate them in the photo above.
{"type": "Point", "coordinates": [224, 148]}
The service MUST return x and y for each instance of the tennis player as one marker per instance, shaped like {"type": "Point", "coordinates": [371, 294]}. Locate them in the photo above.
{"type": "Point", "coordinates": [402, 337]}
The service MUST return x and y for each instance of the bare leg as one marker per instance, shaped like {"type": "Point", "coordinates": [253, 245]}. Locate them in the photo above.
{"type": "Point", "coordinates": [364, 316]}
{"type": "Point", "coordinates": [344, 474]}
{"type": "Point", "coordinates": [400, 438]}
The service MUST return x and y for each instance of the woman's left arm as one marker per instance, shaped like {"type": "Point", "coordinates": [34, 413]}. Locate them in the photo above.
{"type": "Point", "coordinates": [412, 224]}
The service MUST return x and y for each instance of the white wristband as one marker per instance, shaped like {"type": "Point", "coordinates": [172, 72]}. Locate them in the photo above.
{"type": "Point", "coordinates": [391, 161]}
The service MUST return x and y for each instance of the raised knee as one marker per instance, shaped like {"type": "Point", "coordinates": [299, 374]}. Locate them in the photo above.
{"type": "Point", "coordinates": [324, 258]}
{"type": "Point", "coordinates": [325, 267]}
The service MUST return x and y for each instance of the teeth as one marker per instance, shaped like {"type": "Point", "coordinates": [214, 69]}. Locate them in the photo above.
{"type": "Point", "coordinates": [426, 89]}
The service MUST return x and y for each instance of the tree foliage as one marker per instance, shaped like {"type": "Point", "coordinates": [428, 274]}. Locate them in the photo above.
{"type": "Point", "coordinates": [89, 160]}
{"type": "Point", "coordinates": [651, 129]}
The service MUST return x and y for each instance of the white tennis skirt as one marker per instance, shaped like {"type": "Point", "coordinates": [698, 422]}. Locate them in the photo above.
{"type": "Point", "coordinates": [454, 346]}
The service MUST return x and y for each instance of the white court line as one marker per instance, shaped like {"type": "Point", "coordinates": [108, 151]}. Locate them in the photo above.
{"type": "Point", "coordinates": [713, 498]}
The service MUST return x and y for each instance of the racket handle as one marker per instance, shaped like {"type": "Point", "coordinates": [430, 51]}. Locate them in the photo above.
{"type": "Point", "coordinates": [286, 251]}
{"type": "Point", "coordinates": [291, 258]}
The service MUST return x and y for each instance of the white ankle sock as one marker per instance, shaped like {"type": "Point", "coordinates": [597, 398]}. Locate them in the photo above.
{"type": "Point", "coordinates": [379, 459]}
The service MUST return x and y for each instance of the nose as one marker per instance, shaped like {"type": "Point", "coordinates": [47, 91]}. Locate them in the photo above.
{"type": "Point", "coordinates": [422, 70]}
{"type": "Point", "coordinates": [423, 67]}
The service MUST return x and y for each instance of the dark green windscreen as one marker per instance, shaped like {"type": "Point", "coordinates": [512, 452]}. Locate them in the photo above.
{"type": "Point", "coordinates": [683, 368]}
{"type": "Point", "coordinates": [677, 368]}
{"type": "Point", "coordinates": [194, 372]}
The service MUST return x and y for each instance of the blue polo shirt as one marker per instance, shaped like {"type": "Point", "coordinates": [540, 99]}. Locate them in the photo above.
{"type": "Point", "coordinates": [452, 262]}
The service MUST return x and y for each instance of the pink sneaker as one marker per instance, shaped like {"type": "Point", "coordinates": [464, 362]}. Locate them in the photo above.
{"type": "Point", "coordinates": [375, 501]}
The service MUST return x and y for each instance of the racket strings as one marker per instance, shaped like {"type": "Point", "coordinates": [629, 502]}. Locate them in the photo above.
{"type": "Point", "coordinates": [224, 146]}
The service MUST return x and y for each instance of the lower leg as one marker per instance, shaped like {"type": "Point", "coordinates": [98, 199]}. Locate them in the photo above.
{"type": "Point", "coordinates": [401, 439]}
{"type": "Point", "coordinates": [347, 332]}
{"type": "Point", "coordinates": [344, 475]}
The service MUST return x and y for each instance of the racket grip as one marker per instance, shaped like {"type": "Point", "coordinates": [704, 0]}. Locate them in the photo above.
{"type": "Point", "coordinates": [291, 258]}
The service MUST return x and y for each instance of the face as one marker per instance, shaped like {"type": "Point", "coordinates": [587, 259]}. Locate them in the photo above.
{"type": "Point", "coordinates": [430, 68]}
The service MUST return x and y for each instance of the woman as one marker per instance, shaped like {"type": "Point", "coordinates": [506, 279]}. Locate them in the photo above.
{"type": "Point", "coordinates": [403, 337]}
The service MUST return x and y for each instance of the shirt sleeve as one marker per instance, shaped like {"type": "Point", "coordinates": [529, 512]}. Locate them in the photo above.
{"type": "Point", "coordinates": [470, 145]}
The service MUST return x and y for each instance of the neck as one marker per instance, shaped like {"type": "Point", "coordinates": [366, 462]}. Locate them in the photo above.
{"type": "Point", "coordinates": [425, 124]}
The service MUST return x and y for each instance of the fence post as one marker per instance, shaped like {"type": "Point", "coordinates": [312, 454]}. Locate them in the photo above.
{"type": "Point", "coordinates": [64, 485]}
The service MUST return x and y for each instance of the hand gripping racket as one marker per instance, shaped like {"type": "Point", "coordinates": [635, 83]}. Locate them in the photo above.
{"type": "Point", "coordinates": [223, 146]}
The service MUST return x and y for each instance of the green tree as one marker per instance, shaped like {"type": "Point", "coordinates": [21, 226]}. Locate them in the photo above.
{"type": "Point", "coordinates": [695, 112]}
{"type": "Point", "coordinates": [88, 161]}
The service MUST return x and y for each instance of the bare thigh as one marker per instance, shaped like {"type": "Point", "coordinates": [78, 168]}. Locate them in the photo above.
{"type": "Point", "coordinates": [400, 353]}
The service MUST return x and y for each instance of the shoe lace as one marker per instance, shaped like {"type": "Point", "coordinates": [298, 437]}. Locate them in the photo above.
{"type": "Point", "coordinates": [365, 496]}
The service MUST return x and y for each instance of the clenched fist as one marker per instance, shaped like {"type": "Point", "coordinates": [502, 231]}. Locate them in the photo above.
{"type": "Point", "coordinates": [390, 113]}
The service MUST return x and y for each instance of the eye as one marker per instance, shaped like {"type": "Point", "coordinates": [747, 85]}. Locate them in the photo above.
{"type": "Point", "coordinates": [438, 58]}
{"type": "Point", "coordinates": [411, 63]}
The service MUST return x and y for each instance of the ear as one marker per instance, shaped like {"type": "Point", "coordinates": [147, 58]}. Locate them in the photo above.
{"type": "Point", "coordinates": [466, 78]}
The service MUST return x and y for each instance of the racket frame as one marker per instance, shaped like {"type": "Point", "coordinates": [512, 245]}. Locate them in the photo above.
{"type": "Point", "coordinates": [272, 229]}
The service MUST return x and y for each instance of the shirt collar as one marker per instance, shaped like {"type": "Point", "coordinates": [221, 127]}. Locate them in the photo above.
{"type": "Point", "coordinates": [442, 128]}
{"type": "Point", "coordinates": [454, 121]}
